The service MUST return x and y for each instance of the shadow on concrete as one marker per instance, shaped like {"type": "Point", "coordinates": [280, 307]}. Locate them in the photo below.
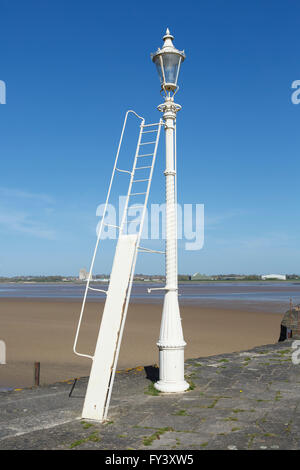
{"type": "Point", "coordinates": [83, 384]}
{"type": "Point", "coordinates": [152, 373]}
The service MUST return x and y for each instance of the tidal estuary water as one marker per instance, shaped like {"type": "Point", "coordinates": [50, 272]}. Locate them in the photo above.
{"type": "Point", "coordinates": [268, 296]}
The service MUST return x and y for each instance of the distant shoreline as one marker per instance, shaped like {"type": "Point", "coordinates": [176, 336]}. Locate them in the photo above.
{"type": "Point", "coordinates": [279, 281]}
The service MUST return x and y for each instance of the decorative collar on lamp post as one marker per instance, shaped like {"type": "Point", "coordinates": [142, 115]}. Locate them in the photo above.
{"type": "Point", "coordinates": [168, 60]}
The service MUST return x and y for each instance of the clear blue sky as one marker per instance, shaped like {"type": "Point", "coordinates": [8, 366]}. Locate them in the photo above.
{"type": "Point", "coordinates": [72, 68]}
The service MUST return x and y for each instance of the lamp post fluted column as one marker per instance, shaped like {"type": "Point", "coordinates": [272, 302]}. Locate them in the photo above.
{"type": "Point", "coordinates": [171, 342]}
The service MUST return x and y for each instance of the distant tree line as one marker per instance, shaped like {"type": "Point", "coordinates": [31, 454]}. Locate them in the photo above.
{"type": "Point", "coordinates": [32, 279]}
{"type": "Point", "coordinates": [181, 277]}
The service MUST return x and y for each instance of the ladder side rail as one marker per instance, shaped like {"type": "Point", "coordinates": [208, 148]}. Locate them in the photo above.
{"type": "Point", "coordinates": [131, 277]}
{"type": "Point", "coordinates": [99, 236]}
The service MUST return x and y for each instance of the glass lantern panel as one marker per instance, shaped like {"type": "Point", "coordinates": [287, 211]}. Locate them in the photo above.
{"type": "Point", "coordinates": [157, 62]}
{"type": "Point", "coordinates": [171, 63]}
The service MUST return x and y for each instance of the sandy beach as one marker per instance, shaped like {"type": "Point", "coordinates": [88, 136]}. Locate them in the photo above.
{"type": "Point", "coordinates": [43, 330]}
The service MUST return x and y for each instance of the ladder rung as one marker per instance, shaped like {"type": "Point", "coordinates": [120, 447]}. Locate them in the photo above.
{"type": "Point", "coordinates": [110, 225]}
{"type": "Point", "coordinates": [139, 181]}
{"type": "Point", "coordinates": [148, 250]}
{"type": "Point", "coordinates": [146, 155]}
{"type": "Point", "coordinates": [142, 167]}
{"type": "Point", "coordinates": [136, 194]}
{"type": "Point", "coordinates": [123, 171]}
{"type": "Point", "coordinates": [148, 132]}
{"type": "Point", "coordinates": [149, 125]}
{"type": "Point", "coordinates": [148, 143]}
{"type": "Point", "coordinates": [98, 290]}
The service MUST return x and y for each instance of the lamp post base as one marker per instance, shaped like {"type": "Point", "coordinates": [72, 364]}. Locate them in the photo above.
{"type": "Point", "coordinates": [171, 348]}
{"type": "Point", "coordinates": [171, 371]}
{"type": "Point", "coordinates": [170, 387]}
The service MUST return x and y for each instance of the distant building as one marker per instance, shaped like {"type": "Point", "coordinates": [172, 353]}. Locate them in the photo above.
{"type": "Point", "coordinates": [280, 277]}
{"type": "Point", "coordinates": [201, 277]}
{"type": "Point", "coordinates": [83, 274]}
{"type": "Point", "coordinates": [230, 278]}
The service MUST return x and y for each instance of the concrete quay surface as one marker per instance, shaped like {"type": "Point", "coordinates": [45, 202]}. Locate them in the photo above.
{"type": "Point", "coordinates": [241, 401]}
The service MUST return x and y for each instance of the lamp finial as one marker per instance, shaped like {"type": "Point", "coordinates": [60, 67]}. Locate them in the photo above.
{"type": "Point", "coordinates": [168, 39]}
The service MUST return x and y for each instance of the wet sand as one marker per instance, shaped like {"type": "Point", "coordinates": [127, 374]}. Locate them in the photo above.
{"type": "Point", "coordinates": [43, 330]}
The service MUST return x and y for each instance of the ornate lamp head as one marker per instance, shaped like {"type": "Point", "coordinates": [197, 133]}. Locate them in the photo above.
{"type": "Point", "coordinates": [168, 60]}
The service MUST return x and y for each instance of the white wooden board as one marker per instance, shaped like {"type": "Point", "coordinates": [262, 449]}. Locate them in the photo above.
{"type": "Point", "coordinates": [100, 376]}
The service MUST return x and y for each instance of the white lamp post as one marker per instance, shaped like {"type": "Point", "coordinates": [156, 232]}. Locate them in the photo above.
{"type": "Point", "coordinates": [171, 342]}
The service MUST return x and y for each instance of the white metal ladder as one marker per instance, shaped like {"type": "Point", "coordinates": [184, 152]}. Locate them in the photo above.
{"type": "Point", "coordinates": [118, 294]}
